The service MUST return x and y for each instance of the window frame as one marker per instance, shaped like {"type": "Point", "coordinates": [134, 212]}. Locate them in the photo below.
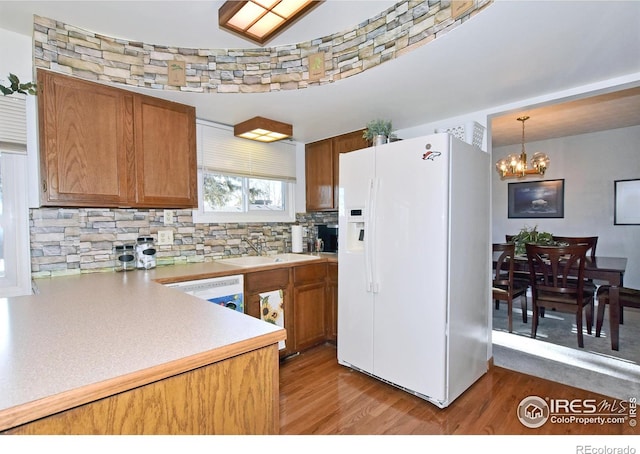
{"type": "Point", "coordinates": [207, 217]}
{"type": "Point", "coordinates": [17, 258]}
{"type": "Point", "coordinates": [288, 215]}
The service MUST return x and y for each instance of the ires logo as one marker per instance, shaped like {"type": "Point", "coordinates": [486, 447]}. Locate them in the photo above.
{"type": "Point", "coordinates": [534, 411]}
{"type": "Point", "coordinates": [430, 155]}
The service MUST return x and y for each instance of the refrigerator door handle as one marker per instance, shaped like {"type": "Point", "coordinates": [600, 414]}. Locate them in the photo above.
{"type": "Point", "coordinates": [372, 235]}
{"type": "Point", "coordinates": [367, 237]}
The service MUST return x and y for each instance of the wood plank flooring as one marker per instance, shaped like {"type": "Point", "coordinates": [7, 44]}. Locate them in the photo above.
{"type": "Point", "coordinates": [320, 397]}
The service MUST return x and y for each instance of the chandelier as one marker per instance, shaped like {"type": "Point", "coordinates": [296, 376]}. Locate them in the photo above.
{"type": "Point", "coordinates": [515, 165]}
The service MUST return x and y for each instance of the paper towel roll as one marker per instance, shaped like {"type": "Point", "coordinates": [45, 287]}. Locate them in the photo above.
{"type": "Point", "coordinates": [296, 238]}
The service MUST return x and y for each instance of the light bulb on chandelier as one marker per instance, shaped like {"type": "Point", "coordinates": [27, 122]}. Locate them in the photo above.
{"type": "Point", "coordinates": [515, 165]}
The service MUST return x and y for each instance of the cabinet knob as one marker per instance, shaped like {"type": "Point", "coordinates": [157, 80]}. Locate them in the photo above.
{"type": "Point", "coordinates": [44, 185]}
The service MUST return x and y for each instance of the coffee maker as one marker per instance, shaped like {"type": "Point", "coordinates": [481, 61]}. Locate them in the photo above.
{"type": "Point", "coordinates": [329, 236]}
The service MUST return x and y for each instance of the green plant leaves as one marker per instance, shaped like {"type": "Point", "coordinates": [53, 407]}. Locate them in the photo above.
{"type": "Point", "coordinates": [531, 235]}
{"type": "Point", "coordinates": [28, 88]}
{"type": "Point", "coordinates": [377, 128]}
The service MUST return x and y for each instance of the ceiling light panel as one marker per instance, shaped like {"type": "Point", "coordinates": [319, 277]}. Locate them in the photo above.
{"type": "Point", "coordinates": [265, 25]}
{"type": "Point", "coordinates": [261, 20]}
{"type": "Point", "coordinates": [247, 15]}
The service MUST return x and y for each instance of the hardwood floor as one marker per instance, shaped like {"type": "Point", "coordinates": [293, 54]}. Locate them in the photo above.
{"type": "Point", "coordinates": [320, 397]}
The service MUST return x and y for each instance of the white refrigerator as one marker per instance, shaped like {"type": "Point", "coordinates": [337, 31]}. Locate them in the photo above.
{"type": "Point", "coordinates": [414, 254]}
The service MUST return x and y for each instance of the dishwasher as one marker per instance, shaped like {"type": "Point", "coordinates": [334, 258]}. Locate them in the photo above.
{"type": "Point", "coordinates": [226, 291]}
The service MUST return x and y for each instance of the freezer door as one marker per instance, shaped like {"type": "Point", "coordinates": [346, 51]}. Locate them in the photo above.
{"type": "Point", "coordinates": [355, 298]}
{"type": "Point", "coordinates": [411, 238]}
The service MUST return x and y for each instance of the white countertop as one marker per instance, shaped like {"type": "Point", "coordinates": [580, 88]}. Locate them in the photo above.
{"type": "Point", "coordinates": [85, 331]}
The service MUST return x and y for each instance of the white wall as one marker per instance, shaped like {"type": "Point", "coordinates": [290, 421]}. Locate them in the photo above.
{"type": "Point", "coordinates": [589, 164]}
{"type": "Point", "coordinates": [613, 155]}
{"type": "Point", "coordinates": [301, 192]}
{"type": "Point", "coordinates": [16, 58]}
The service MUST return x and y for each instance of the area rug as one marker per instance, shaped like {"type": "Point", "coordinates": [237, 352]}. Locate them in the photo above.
{"type": "Point", "coordinates": [555, 354]}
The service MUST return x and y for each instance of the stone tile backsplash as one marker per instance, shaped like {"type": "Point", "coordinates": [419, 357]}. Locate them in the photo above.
{"type": "Point", "coordinates": [82, 240]}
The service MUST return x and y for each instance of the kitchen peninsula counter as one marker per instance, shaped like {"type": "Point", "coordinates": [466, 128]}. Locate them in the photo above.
{"type": "Point", "coordinates": [111, 352]}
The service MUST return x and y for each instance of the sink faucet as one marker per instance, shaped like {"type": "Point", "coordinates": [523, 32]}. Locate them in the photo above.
{"type": "Point", "coordinates": [257, 248]}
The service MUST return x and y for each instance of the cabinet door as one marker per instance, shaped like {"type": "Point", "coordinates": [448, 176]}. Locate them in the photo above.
{"type": "Point", "coordinates": [343, 144]}
{"type": "Point", "coordinates": [257, 282]}
{"type": "Point", "coordinates": [322, 172]}
{"type": "Point", "coordinates": [319, 175]}
{"type": "Point", "coordinates": [165, 154]}
{"type": "Point", "coordinates": [309, 302]}
{"type": "Point", "coordinates": [332, 302]}
{"type": "Point", "coordinates": [86, 142]}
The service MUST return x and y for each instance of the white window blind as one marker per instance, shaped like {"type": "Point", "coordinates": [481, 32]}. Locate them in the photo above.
{"type": "Point", "coordinates": [220, 151]}
{"type": "Point", "coordinates": [13, 124]}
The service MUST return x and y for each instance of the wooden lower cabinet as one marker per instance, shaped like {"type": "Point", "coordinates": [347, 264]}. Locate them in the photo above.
{"type": "Point", "coordinates": [236, 396]}
{"type": "Point", "coordinates": [309, 296]}
{"type": "Point", "coordinates": [310, 293]}
{"type": "Point", "coordinates": [258, 282]}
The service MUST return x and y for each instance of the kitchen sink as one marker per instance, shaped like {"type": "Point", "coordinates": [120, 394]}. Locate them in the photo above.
{"type": "Point", "coordinates": [251, 260]}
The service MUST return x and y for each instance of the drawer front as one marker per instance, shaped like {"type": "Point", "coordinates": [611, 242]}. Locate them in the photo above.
{"type": "Point", "coordinates": [259, 281]}
{"type": "Point", "coordinates": [304, 274]}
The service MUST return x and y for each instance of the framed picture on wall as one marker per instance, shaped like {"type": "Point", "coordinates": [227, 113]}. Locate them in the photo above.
{"type": "Point", "coordinates": [626, 202]}
{"type": "Point", "coordinates": [536, 199]}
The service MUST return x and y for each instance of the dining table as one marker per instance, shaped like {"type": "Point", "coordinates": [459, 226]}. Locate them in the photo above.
{"type": "Point", "coordinates": [608, 270]}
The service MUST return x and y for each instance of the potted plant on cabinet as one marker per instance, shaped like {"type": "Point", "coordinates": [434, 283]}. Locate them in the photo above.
{"type": "Point", "coordinates": [378, 132]}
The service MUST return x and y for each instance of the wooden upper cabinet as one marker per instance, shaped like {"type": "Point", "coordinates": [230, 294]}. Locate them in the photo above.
{"type": "Point", "coordinates": [165, 153]}
{"type": "Point", "coordinates": [319, 165]}
{"type": "Point", "coordinates": [102, 146]}
{"type": "Point", "coordinates": [322, 169]}
{"type": "Point", "coordinates": [86, 142]}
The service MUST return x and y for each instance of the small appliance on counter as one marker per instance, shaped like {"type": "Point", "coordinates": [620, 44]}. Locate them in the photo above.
{"type": "Point", "coordinates": [329, 236]}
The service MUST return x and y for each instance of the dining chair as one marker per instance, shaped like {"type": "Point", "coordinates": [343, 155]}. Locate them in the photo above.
{"type": "Point", "coordinates": [557, 281]}
{"type": "Point", "coordinates": [628, 297]}
{"type": "Point", "coordinates": [592, 241]}
{"type": "Point", "coordinates": [522, 276]}
{"type": "Point", "coordinates": [505, 287]}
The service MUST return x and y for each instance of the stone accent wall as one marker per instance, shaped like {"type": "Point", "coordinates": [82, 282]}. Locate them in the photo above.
{"type": "Point", "coordinates": [82, 240]}
{"type": "Point", "coordinates": [405, 26]}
